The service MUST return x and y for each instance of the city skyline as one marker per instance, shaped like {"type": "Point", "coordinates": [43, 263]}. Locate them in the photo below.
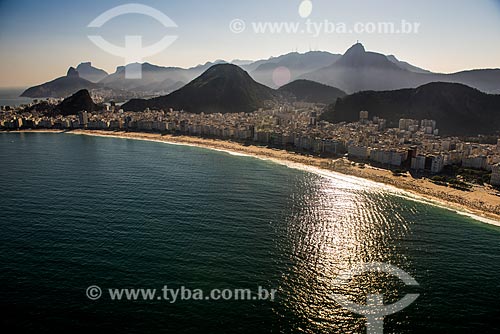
{"type": "Point", "coordinates": [31, 30]}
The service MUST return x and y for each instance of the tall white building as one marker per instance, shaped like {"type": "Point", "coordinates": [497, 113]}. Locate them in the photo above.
{"type": "Point", "coordinates": [83, 117]}
{"type": "Point", "coordinates": [437, 164]}
{"type": "Point", "coordinates": [358, 151]}
{"type": "Point", "coordinates": [475, 162]}
{"type": "Point", "coordinates": [418, 162]}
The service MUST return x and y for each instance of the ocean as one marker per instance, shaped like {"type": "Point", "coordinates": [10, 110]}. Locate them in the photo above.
{"type": "Point", "coordinates": [81, 211]}
{"type": "Point", "coordinates": [11, 97]}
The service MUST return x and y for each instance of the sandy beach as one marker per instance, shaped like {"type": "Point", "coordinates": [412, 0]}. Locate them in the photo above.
{"type": "Point", "coordinates": [481, 201]}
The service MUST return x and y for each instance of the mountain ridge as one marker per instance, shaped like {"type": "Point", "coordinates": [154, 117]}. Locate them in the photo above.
{"type": "Point", "coordinates": [457, 109]}
{"type": "Point", "coordinates": [311, 91]}
{"type": "Point", "coordinates": [60, 87]}
{"type": "Point", "coordinates": [91, 73]}
{"type": "Point", "coordinates": [355, 70]}
{"type": "Point", "coordinates": [361, 70]}
{"type": "Point", "coordinates": [222, 88]}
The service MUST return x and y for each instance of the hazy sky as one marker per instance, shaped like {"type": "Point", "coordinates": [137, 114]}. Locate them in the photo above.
{"type": "Point", "coordinates": [39, 40]}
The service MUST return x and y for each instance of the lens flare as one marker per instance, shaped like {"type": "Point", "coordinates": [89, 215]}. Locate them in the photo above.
{"type": "Point", "coordinates": [305, 8]}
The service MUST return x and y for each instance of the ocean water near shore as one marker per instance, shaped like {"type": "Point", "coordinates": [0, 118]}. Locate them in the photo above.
{"type": "Point", "coordinates": [81, 211]}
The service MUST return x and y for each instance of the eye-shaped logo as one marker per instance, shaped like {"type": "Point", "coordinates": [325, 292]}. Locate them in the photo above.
{"type": "Point", "coordinates": [375, 310]}
{"type": "Point", "coordinates": [133, 52]}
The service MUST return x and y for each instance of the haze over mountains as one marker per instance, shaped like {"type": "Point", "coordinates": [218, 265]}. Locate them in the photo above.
{"type": "Point", "coordinates": [296, 63]}
{"type": "Point", "coordinates": [359, 70]}
{"type": "Point", "coordinates": [155, 79]}
{"type": "Point", "coordinates": [223, 88]}
{"type": "Point", "coordinates": [458, 109]}
{"type": "Point", "coordinates": [356, 70]}
{"type": "Point", "coordinates": [406, 66]}
{"type": "Point", "coordinates": [90, 73]}
{"type": "Point", "coordinates": [310, 91]}
{"type": "Point", "coordinates": [60, 87]}
{"type": "Point", "coordinates": [383, 85]}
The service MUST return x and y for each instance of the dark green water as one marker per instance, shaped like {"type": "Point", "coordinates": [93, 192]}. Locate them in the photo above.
{"type": "Point", "coordinates": [78, 211]}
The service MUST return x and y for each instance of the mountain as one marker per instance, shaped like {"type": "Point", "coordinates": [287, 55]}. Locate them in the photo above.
{"type": "Point", "coordinates": [358, 58]}
{"type": "Point", "coordinates": [486, 80]}
{"type": "Point", "coordinates": [60, 87]}
{"type": "Point", "coordinates": [297, 63]}
{"type": "Point", "coordinates": [458, 109]}
{"type": "Point", "coordinates": [359, 70]}
{"type": "Point", "coordinates": [90, 73]}
{"type": "Point", "coordinates": [222, 88]}
{"type": "Point", "coordinates": [42, 106]}
{"type": "Point", "coordinates": [406, 66]}
{"type": "Point", "coordinates": [321, 57]}
{"type": "Point", "coordinates": [203, 67]}
{"type": "Point", "coordinates": [156, 80]}
{"type": "Point", "coordinates": [153, 78]}
{"type": "Point", "coordinates": [356, 70]}
{"type": "Point", "coordinates": [310, 91]}
{"type": "Point", "coordinates": [77, 102]}
{"type": "Point", "coordinates": [241, 62]}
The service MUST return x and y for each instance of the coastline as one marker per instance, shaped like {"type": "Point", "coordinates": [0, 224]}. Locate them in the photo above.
{"type": "Point", "coordinates": [479, 203]}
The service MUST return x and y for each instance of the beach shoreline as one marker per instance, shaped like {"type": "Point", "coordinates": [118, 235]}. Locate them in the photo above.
{"type": "Point", "coordinates": [480, 202]}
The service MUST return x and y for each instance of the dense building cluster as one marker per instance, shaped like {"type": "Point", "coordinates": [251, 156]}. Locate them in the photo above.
{"type": "Point", "coordinates": [414, 145]}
